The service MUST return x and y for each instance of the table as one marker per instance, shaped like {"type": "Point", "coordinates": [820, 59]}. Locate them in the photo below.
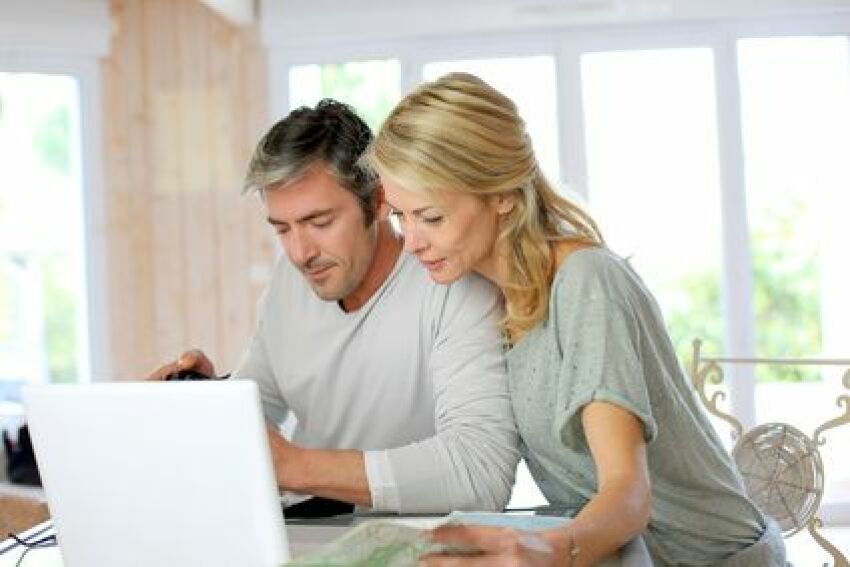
{"type": "Point", "coordinates": [303, 535]}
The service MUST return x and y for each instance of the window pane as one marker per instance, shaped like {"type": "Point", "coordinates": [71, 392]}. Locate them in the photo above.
{"type": "Point", "coordinates": [653, 178]}
{"type": "Point", "coordinates": [795, 95]}
{"type": "Point", "coordinates": [530, 83]}
{"type": "Point", "coordinates": [40, 232]}
{"type": "Point", "coordinates": [372, 88]}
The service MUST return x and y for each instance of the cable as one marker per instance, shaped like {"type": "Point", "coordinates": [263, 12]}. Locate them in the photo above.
{"type": "Point", "coordinates": [30, 543]}
{"type": "Point", "coordinates": [47, 541]}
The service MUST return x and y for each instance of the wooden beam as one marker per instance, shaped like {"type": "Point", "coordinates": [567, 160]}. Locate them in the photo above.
{"type": "Point", "coordinates": [237, 12]}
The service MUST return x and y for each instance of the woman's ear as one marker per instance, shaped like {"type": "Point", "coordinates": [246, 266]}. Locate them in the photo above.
{"type": "Point", "coordinates": [504, 203]}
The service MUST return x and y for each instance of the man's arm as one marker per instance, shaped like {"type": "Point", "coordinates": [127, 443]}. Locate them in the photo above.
{"type": "Point", "coordinates": [337, 474]}
{"type": "Point", "coordinates": [471, 460]}
{"type": "Point", "coordinates": [255, 366]}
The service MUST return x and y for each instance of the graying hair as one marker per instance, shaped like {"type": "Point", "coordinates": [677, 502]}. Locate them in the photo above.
{"type": "Point", "coordinates": [330, 135]}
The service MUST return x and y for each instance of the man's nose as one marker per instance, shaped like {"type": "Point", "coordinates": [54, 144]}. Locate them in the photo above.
{"type": "Point", "coordinates": [300, 248]}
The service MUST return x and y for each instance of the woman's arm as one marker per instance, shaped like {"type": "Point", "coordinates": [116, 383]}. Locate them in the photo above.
{"type": "Point", "coordinates": [620, 509]}
{"type": "Point", "coordinates": [618, 512]}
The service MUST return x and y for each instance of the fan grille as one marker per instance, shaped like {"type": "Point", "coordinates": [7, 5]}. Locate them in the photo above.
{"type": "Point", "coordinates": [782, 472]}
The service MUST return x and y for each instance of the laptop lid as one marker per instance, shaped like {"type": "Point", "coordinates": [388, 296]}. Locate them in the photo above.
{"type": "Point", "coordinates": [165, 474]}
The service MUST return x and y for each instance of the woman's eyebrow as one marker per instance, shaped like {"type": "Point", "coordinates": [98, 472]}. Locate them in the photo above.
{"type": "Point", "coordinates": [416, 212]}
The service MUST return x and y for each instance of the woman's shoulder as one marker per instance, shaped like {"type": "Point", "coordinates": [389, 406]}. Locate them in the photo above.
{"type": "Point", "coordinates": [588, 264]}
{"type": "Point", "coordinates": [597, 278]}
{"type": "Point", "coordinates": [596, 275]}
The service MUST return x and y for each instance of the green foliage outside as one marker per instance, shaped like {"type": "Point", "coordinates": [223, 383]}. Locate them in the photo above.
{"type": "Point", "coordinates": [787, 294]}
{"type": "Point", "coordinates": [368, 87]}
{"type": "Point", "coordinates": [60, 311]}
{"type": "Point", "coordinates": [787, 310]}
{"type": "Point", "coordinates": [8, 310]}
{"type": "Point", "coordinates": [3, 205]}
{"type": "Point", "coordinates": [698, 315]}
{"type": "Point", "coordinates": [51, 140]}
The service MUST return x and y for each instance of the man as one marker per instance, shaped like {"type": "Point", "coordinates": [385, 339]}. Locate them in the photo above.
{"type": "Point", "coordinates": [398, 384]}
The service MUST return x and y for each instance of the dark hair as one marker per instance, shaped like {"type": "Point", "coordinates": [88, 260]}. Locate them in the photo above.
{"type": "Point", "coordinates": [331, 134]}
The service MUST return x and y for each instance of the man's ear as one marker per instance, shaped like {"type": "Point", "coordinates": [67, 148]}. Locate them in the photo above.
{"type": "Point", "coordinates": [382, 209]}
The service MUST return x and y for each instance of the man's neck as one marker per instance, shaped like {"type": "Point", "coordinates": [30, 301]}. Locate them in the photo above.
{"type": "Point", "coordinates": [388, 247]}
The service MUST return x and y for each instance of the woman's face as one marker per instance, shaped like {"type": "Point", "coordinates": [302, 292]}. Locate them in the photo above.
{"type": "Point", "coordinates": [451, 233]}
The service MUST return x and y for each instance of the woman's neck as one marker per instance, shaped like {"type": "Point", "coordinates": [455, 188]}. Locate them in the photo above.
{"type": "Point", "coordinates": [496, 267]}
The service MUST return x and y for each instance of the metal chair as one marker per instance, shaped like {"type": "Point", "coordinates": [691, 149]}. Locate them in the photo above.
{"type": "Point", "coordinates": [781, 466]}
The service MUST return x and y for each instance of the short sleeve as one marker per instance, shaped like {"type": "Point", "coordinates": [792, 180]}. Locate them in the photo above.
{"type": "Point", "coordinates": [599, 337]}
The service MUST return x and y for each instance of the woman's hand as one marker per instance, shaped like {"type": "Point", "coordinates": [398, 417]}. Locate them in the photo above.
{"type": "Point", "coordinates": [501, 547]}
{"type": "Point", "coordinates": [619, 511]}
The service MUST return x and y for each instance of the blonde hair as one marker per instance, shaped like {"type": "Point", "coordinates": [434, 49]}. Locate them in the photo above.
{"type": "Point", "coordinates": [460, 134]}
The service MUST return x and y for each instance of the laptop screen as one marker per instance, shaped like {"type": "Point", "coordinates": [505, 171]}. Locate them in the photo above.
{"type": "Point", "coordinates": [142, 473]}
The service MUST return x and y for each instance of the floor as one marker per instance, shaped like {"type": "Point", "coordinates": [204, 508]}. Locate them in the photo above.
{"type": "Point", "coordinates": [20, 508]}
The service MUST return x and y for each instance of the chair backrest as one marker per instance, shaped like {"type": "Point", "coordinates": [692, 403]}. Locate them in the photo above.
{"type": "Point", "coordinates": [781, 466]}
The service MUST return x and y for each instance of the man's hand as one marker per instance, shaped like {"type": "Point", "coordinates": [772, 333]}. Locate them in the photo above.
{"type": "Point", "coordinates": [332, 473]}
{"type": "Point", "coordinates": [192, 359]}
{"type": "Point", "coordinates": [284, 458]}
{"type": "Point", "coordinates": [501, 546]}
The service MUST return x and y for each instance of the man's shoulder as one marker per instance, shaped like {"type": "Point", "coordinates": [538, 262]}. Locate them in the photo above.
{"type": "Point", "coordinates": [467, 299]}
{"type": "Point", "coordinates": [286, 287]}
{"type": "Point", "coordinates": [286, 276]}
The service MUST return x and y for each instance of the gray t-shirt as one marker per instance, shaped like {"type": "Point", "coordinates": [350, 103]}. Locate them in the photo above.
{"type": "Point", "coordinates": [604, 339]}
{"type": "Point", "coordinates": [416, 378]}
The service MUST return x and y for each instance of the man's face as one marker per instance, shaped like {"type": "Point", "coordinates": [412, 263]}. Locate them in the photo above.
{"type": "Point", "coordinates": [321, 227]}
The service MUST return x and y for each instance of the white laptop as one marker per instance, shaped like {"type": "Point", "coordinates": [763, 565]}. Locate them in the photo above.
{"type": "Point", "coordinates": [164, 473]}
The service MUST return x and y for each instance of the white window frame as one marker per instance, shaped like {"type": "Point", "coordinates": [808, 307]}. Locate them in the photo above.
{"type": "Point", "coordinates": [567, 46]}
{"type": "Point", "coordinates": [67, 37]}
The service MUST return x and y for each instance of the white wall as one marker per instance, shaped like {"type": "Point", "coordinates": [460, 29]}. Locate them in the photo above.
{"type": "Point", "coordinates": [67, 27]}
{"type": "Point", "coordinates": [308, 22]}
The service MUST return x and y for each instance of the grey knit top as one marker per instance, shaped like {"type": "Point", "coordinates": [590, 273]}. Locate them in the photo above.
{"type": "Point", "coordinates": [604, 339]}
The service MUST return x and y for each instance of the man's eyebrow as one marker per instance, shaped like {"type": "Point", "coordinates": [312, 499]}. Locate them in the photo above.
{"type": "Point", "coordinates": [306, 218]}
{"type": "Point", "coordinates": [314, 214]}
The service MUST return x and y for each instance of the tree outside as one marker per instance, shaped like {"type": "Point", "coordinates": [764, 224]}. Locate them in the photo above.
{"type": "Point", "coordinates": [370, 87]}
{"type": "Point", "coordinates": [786, 292]}
{"type": "Point", "coordinates": [51, 143]}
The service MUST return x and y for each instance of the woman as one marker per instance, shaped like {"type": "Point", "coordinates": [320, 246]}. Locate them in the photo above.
{"type": "Point", "coordinates": [609, 424]}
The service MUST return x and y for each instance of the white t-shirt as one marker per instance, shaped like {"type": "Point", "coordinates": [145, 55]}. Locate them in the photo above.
{"type": "Point", "coordinates": [416, 378]}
